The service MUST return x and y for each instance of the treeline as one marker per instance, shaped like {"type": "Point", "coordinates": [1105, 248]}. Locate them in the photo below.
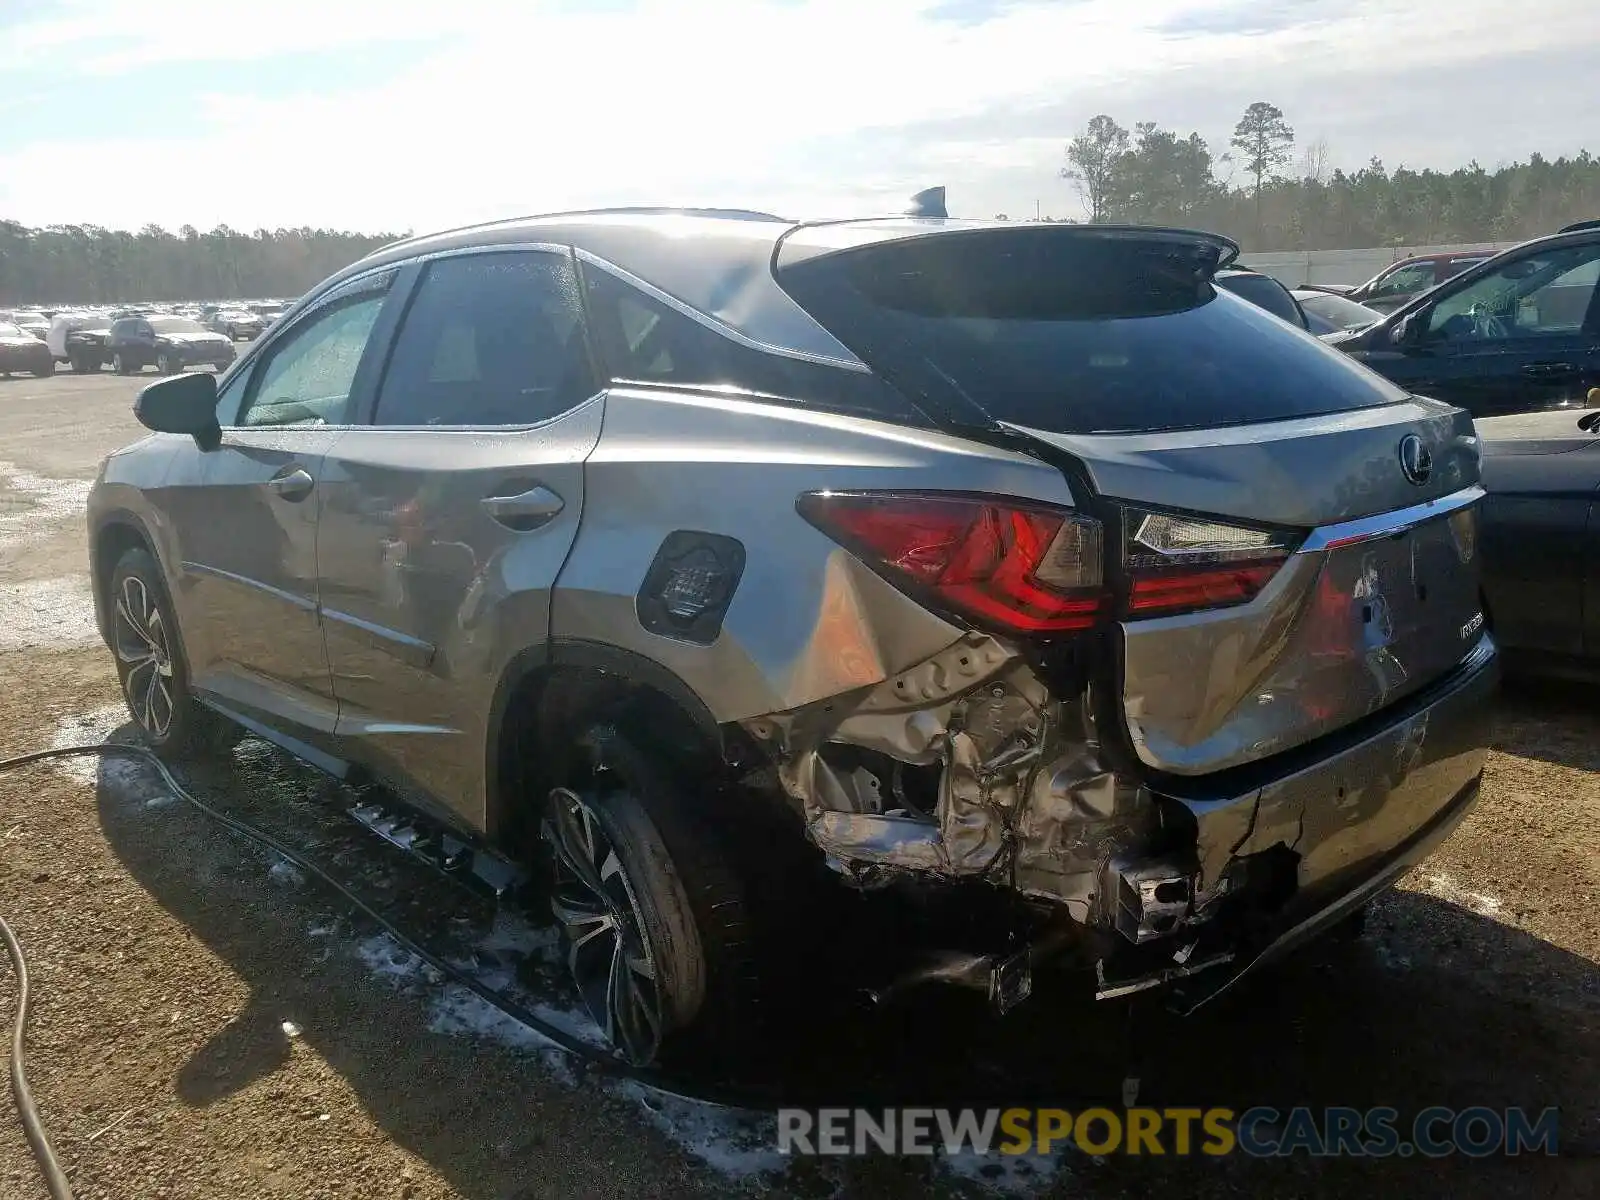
{"type": "Point", "coordinates": [1271, 194]}
{"type": "Point", "coordinates": [86, 264]}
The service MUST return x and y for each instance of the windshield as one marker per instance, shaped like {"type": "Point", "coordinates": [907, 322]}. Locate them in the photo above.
{"type": "Point", "coordinates": [1072, 335]}
{"type": "Point", "coordinates": [1342, 313]}
{"type": "Point", "coordinates": [175, 325]}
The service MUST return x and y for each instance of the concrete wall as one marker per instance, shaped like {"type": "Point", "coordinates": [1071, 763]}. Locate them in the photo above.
{"type": "Point", "coordinates": [1295, 267]}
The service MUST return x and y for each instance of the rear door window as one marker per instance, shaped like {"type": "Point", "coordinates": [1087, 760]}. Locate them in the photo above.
{"type": "Point", "coordinates": [489, 339]}
{"type": "Point", "coordinates": [1072, 332]}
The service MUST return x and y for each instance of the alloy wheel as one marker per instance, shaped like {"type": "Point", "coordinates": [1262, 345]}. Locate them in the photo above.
{"type": "Point", "coordinates": [140, 639]}
{"type": "Point", "coordinates": [608, 946]}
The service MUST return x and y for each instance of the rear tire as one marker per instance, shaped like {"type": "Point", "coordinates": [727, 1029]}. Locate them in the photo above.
{"type": "Point", "coordinates": [120, 365]}
{"type": "Point", "coordinates": [654, 918]}
{"type": "Point", "coordinates": [151, 666]}
{"type": "Point", "coordinates": [47, 370]}
{"type": "Point", "coordinates": [168, 364]}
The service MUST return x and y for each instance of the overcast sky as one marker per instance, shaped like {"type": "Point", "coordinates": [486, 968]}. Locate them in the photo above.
{"type": "Point", "coordinates": [390, 114]}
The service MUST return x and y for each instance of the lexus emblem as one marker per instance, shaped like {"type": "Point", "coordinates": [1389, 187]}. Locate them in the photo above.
{"type": "Point", "coordinates": [1416, 460]}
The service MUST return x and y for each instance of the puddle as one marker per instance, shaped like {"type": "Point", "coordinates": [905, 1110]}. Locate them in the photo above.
{"type": "Point", "coordinates": [47, 614]}
{"type": "Point", "coordinates": [29, 502]}
{"type": "Point", "coordinates": [126, 775]}
{"type": "Point", "coordinates": [1023, 1175]}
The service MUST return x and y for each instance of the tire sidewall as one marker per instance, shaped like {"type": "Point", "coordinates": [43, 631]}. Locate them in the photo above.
{"type": "Point", "coordinates": [182, 732]}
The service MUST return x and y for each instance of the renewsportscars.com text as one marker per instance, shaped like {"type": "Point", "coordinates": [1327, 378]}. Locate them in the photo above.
{"type": "Point", "coordinates": [1259, 1132]}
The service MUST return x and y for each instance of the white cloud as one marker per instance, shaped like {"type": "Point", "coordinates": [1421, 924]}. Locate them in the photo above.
{"type": "Point", "coordinates": [811, 106]}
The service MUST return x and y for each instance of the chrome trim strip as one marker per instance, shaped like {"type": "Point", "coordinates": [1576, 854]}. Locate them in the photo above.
{"type": "Point", "coordinates": [303, 603]}
{"type": "Point", "coordinates": [715, 324]}
{"type": "Point", "coordinates": [1367, 529]}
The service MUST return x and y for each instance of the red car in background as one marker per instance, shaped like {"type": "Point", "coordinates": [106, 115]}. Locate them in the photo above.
{"type": "Point", "coordinates": [1394, 285]}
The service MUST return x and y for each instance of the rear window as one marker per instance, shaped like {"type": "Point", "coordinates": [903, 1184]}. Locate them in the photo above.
{"type": "Point", "coordinates": [1072, 333]}
{"type": "Point", "coordinates": [1264, 292]}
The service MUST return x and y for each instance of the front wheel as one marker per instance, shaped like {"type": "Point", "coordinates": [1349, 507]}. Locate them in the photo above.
{"type": "Point", "coordinates": [654, 919]}
{"type": "Point", "coordinates": [121, 365]}
{"type": "Point", "coordinates": [150, 663]}
{"type": "Point", "coordinates": [46, 369]}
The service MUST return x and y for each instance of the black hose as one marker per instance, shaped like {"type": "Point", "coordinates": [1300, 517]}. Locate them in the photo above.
{"type": "Point", "coordinates": [595, 1057]}
{"type": "Point", "coordinates": [55, 1179]}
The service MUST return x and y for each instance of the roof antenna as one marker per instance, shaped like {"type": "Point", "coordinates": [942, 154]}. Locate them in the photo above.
{"type": "Point", "coordinates": [928, 203]}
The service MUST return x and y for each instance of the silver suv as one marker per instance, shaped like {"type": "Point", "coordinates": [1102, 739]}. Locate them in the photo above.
{"type": "Point", "coordinates": [992, 560]}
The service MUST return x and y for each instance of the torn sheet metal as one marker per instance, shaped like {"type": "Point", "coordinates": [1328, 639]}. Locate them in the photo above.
{"type": "Point", "coordinates": [1023, 796]}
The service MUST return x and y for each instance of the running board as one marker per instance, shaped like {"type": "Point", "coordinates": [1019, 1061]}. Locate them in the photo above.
{"type": "Point", "coordinates": [474, 867]}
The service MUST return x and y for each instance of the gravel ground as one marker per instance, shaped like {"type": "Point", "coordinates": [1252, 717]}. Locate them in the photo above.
{"type": "Point", "coordinates": [210, 1024]}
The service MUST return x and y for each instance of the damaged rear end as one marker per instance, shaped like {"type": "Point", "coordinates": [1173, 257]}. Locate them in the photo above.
{"type": "Point", "coordinates": [1235, 689]}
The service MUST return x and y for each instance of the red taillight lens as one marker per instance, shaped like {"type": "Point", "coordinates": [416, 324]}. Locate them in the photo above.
{"type": "Point", "coordinates": [1182, 564]}
{"type": "Point", "coordinates": [1022, 568]}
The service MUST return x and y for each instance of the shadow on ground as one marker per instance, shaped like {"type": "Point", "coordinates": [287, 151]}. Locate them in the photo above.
{"type": "Point", "coordinates": [1435, 1005]}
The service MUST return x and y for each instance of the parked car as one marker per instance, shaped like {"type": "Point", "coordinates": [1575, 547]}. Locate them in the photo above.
{"type": "Point", "coordinates": [1397, 284]}
{"type": "Point", "coordinates": [79, 339]}
{"type": "Point", "coordinates": [1326, 312]}
{"type": "Point", "coordinates": [168, 343]}
{"type": "Point", "coordinates": [1263, 291]}
{"type": "Point", "coordinates": [1517, 333]}
{"type": "Point", "coordinates": [21, 351]}
{"type": "Point", "coordinates": [236, 324]}
{"type": "Point", "coordinates": [1540, 541]}
{"type": "Point", "coordinates": [29, 321]}
{"type": "Point", "coordinates": [1013, 564]}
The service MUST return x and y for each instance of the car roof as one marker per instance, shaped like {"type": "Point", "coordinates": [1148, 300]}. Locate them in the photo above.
{"type": "Point", "coordinates": [729, 276]}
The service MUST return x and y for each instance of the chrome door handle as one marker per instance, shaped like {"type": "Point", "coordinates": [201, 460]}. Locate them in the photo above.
{"type": "Point", "coordinates": [295, 484]}
{"type": "Point", "coordinates": [526, 510]}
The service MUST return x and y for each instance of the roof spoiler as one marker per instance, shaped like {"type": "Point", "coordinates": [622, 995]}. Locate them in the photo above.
{"type": "Point", "coordinates": [1577, 226]}
{"type": "Point", "coordinates": [929, 203]}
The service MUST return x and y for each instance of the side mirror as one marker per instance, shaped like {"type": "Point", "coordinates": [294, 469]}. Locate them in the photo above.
{"type": "Point", "coordinates": [1407, 331]}
{"type": "Point", "coordinates": [182, 404]}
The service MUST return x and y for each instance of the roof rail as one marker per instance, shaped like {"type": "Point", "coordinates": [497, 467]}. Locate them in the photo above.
{"type": "Point", "coordinates": [643, 210]}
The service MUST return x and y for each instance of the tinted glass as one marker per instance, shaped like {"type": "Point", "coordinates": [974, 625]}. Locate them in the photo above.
{"type": "Point", "coordinates": [1264, 292]}
{"type": "Point", "coordinates": [1073, 334]}
{"type": "Point", "coordinates": [1547, 293]}
{"type": "Point", "coordinates": [1339, 311]}
{"type": "Point", "coordinates": [1403, 282]}
{"type": "Point", "coordinates": [309, 374]}
{"type": "Point", "coordinates": [489, 339]}
{"type": "Point", "coordinates": [643, 340]}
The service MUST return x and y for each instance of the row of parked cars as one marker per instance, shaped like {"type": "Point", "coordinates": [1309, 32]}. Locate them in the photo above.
{"type": "Point", "coordinates": [130, 338]}
{"type": "Point", "coordinates": [1020, 576]}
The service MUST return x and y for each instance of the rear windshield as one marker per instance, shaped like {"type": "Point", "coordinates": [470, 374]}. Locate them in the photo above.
{"type": "Point", "coordinates": [1072, 333]}
{"type": "Point", "coordinates": [1264, 292]}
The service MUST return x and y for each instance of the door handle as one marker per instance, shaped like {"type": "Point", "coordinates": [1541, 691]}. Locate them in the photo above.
{"type": "Point", "coordinates": [292, 484]}
{"type": "Point", "coordinates": [1550, 370]}
{"type": "Point", "coordinates": [526, 510]}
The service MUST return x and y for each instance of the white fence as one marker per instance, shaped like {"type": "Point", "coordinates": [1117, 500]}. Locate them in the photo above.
{"type": "Point", "coordinates": [1294, 267]}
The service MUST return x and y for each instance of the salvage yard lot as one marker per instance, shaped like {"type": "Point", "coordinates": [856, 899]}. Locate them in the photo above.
{"type": "Point", "coordinates": [210, 1024]}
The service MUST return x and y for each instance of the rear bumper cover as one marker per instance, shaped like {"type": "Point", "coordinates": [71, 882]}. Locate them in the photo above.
{"type": "Point", "coordinates": [1346, 826]}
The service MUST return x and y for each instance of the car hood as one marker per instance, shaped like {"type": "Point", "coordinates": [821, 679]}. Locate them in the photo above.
{"type": "Point", "coordinates": [1555, 431]}
{"type": "Point", "coordinates": [25, 342]}
{"type": "Point", "coordinates": [192, 338]}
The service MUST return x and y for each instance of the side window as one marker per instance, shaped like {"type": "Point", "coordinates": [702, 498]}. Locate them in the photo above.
{"type": "Point", "coordinates": [489, 339]}
{"type": "Point", "coordinates": [1547, 294]}
{"type": "Point", "coordinates": [307, 377]}
{"type": "Point", "coordinates": [642, 340]}
{"type": "Point", "coordinates": [1417, 277]}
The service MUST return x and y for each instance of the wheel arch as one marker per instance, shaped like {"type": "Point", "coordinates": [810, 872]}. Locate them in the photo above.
{"type": "Point", "coordinates": [546, 692]}
{"type": "Point", "coordinates": [115, 534]}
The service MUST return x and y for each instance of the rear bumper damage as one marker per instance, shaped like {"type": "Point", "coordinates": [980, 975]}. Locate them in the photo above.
{"type": "Point", "coordinates": [966, 768]}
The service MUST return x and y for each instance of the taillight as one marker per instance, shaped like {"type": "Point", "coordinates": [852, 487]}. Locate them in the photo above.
{"type": "Point", "coordinates": [1018, 567]}
{"type": "Point", "coordinates": [1180, 564]}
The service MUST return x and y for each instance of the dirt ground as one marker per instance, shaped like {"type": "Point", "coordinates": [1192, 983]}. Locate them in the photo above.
{"type": "Point", "coordinates": [211, 1024]}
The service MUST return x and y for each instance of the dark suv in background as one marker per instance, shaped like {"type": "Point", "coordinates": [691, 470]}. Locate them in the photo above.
{"type": "Point", "coordinates": [1518, 332]}
{"type": "Point", "coordinates": [168, 343]}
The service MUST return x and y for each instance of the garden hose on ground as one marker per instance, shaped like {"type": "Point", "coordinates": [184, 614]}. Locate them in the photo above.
{"type": "Point", "coordinates": [593, 1055]}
